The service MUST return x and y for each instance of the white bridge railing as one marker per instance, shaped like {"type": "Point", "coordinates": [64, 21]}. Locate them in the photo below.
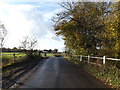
{"type": "Point", "coordinates": [80, 57]}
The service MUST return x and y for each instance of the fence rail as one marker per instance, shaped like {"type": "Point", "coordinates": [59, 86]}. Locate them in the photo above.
{"type": "Point", "coordinates": [80, 57]}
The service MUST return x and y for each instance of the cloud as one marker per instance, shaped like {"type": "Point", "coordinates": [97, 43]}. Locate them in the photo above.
{"type": "Point", "coordinates": [59, 1]}
{"type": "Point", "coordinates": [33, 0]}
{"type": "Point", "coordinates": [29, 20]}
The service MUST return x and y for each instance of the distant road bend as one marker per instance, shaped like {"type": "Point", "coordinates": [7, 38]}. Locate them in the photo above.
{"type": "Point", "coordinates": [57, 72]}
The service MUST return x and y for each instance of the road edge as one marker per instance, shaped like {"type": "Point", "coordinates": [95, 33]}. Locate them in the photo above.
{"type": "Point", "coordinates": [89, 74]}
{"type": "Point", "coordinates": [26, 76]}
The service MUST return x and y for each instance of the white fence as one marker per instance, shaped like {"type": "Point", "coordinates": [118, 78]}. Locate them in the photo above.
{"type": "Point", "coordinates": [80, 57]}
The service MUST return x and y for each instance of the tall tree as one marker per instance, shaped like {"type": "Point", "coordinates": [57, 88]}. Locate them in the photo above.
{"type": "Point", "coordinates": [113, 30]}
{"type": "Point", "coordinates": [81, 25]}
{"type": "Point", "coordinates": [3, 33]}
{"type": "Point", "coordinates": [89, 28]}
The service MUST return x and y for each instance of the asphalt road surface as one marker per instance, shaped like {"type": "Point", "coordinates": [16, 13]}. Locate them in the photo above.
{"type": "Point", "coordinates": [57, 72]}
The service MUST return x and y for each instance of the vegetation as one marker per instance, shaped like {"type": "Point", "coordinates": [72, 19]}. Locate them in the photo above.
{"type": "Point", "coordinates": [21, 62]}
{"type": "Point", "coordinates": [3, 33]}
{"type": "Point", "coordinates": [92, 28]}
{"type": "Point", "coordinates": [9, 58]}
{"type": "Point", "coordinates": [28, 45]}
{"type": "Point", "coordinates": [108, 74]}
{"type": "Point", "coordinates": [13, 72]}
{"type": "Point", "coordinates": [48, 54]}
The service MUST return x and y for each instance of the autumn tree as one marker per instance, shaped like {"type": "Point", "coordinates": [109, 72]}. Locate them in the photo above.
{"type": "Point", "coordinates": [113, 30]}
{"type": "Point", "coordinates": [81, 24]}
{"type": "Point", "coordinates": [90, 28]}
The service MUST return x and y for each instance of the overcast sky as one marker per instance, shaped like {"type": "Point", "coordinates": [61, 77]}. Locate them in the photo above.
{"type": "Point", "coordinates": [30, 18]}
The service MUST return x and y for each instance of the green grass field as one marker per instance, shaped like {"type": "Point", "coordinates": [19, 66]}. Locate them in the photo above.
{"type": "Point", "coordinates": [8, 57]}
{"type": "Point", "coordinates": [48, 54]}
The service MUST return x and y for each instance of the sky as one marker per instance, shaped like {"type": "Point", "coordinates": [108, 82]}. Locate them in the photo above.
{"type": "Point", "coordinates": [30, 18]}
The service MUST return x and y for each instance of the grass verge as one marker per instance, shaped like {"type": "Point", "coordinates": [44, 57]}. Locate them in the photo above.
{"type": "Point", "coordinates": [110, 75]}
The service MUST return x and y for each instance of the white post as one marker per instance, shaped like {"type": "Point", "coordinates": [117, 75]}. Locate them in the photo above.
{"type": "Point", "coordinates": [80, 58]}
{"type": "Point", "coordinates": [104, 60]}
{"type": "Point", "coordinates": [88, 59]}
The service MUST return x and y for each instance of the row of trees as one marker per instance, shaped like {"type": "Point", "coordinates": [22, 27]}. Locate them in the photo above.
{"type": "Point", "coordinates": [15, 49]}
{"type": "Point", "coordinates": [90, 28]}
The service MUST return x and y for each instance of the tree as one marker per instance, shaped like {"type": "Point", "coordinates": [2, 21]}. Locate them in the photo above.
{"type": "Point", "coordinates": [32, 43]}
{"type": "Point", "coordinates": [55, 50]}
{"type": "Point", "coordinates": [81, 24]}
{"type": "Point", "coordinates": [3, 33]}
{"type": "Point", "coordinates": [24, 43]}
{"type": "Point", "coordinates": [50, 51]}
{"type": "Point", "coordinates": [90, 28]}
{"type": "Point", "coordinates": [113, 30]}
{"type": "Point", "coordinates": [28, 45]}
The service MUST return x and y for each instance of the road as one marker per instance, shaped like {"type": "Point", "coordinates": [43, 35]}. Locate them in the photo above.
{"type": "Point", "coordinates": [57, 72]}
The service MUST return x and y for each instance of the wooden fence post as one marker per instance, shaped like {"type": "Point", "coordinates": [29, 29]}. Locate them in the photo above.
{"type": "Point", "coordinates": [14, 57]}
{"type": "Point", "coordinates": [72, 56]}
{"type": "Point", "coordinates": [88, 59]}
{"type": "Point", "coordinates": [80, 58]}
{"type": "Point", "coordinates": [104, 60]}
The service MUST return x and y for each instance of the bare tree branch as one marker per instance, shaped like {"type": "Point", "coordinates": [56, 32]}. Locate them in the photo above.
{"type": "Point", "coordinates": [29, 43]}
{"type": "Point", "coordinates": [3, 33]}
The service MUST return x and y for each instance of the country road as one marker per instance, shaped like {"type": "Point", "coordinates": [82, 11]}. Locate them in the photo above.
{"type": "Point", "coordinates": [56, 72]}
